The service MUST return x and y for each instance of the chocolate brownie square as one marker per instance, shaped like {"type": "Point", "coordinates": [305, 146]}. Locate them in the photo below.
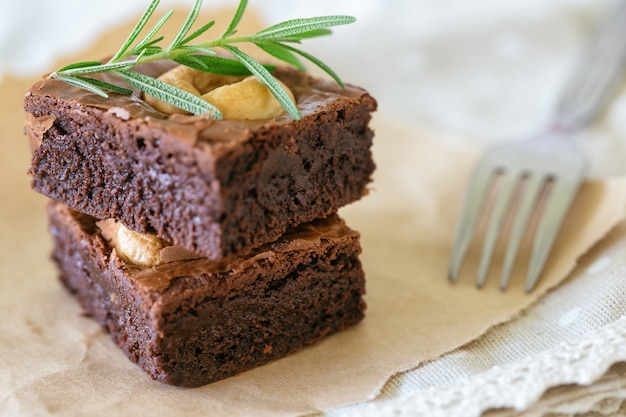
{"type": "Point", "coordinates": [192, 322]}
{"type": "Point", "coordinates": [214, 187]}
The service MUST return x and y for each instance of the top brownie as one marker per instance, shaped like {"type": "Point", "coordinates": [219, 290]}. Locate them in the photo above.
{"type": "Point", "coordinates": [215, 187]}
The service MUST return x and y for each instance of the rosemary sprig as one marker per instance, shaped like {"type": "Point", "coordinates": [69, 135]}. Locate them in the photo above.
{"type": "Point", "coordinates": [277, 40]}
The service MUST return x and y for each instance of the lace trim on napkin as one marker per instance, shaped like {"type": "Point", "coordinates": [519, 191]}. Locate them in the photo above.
{"type": "Point", "coordinates": [517, 384]}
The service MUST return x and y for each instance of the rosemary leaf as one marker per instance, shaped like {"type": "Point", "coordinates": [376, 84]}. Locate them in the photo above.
{"type": "Point", "coordinates": [82, 84]}
{"type": "Point", "coordinates": [94, 69]}
{"type": "Point", "coordinates": [153, 42]}
{"type": "Point", "coordinates": [79, 65]}
{"type": "Point", "coordinates": [152, 50]}
{"type": "Point", "coordinates": [307, 35]}
{"type": "Point", "coordinates": [295, 27]}
{"type": "Point", "coordinates": [189, 21]}
{"type": "Point", "coordinates": [217, 65]}
{"type": "Point", "coordinates": [266, 78]}
{"type": "Point", "coordinates": [279, 51]}
{"type": "Point", "coordinates": [317, 62]}
{"type": "Point", "coordinates": [106, 86]}
{"type": "Point", "coordinates": [197, 48]}
{"type": "Point", "coordinates": [192, 61]}
{"type": "Point", "coordinates": [137, 30]}
{"type": "Point", "coordinates": [147, 40]}
{"type": "Point", "coordinates": [198, 33]}
{"type": "Point", "coordinates": [170, 94]}
{"type": "Point", "coordinates": [232, 27]}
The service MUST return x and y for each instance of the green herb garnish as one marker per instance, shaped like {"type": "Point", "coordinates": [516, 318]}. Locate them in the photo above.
{"type": "Point", "coordinates": [277, 40]}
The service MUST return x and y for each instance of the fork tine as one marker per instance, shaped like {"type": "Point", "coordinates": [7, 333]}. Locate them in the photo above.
{"type": "Point", "coordinates": [480, 182]}
{"type": "Point", "coordinates": [528, 201]}
{"type": "Point", "coordinates": [560, 199]}
{"type": "Point", "coordinates": [501, 204]}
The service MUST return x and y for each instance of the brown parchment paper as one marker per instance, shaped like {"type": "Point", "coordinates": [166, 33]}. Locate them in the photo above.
{"type": "Point", "coordinates": [53, 360]}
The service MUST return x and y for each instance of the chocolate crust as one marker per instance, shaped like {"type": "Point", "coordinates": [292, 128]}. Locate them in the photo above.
{"type": "Point", "coordinates": [199, 327]}
{"type": "Point", "coordinates": [217, 188]}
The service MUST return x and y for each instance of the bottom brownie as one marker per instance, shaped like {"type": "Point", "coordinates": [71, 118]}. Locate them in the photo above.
{"type": "Point", "coordinates": [193, 322]}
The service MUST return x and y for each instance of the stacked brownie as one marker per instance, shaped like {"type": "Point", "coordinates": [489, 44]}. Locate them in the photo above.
{"type": "Point", "coordinates": [254, 262]}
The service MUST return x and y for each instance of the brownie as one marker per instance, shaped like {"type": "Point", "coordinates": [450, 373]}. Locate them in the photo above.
{"type": "Point", "coordinates": [213, 187]}
{"type": "Point", "coordinates": [189, 323]}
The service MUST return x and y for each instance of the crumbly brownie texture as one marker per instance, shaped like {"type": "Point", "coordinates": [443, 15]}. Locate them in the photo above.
{"type": "Point", "coordinates": [217, 188]}
{"type": "Point", "coordinates": [191, 323]}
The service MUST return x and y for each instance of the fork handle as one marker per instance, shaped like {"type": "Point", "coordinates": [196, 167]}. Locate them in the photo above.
{"type": "Point", "coordinates": [600, 68]}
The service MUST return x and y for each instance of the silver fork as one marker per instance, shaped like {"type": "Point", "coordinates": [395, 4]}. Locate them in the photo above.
{"type": "Point", "coordinates": [547, 168]}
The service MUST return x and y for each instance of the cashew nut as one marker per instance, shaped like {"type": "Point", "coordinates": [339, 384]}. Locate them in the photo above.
{"type": "Point", "coordinates": [238, 98]}
{"type": "Point", "coordinates": [247, 99]}
{"type": "Point", "coordinates": [137, 248]}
